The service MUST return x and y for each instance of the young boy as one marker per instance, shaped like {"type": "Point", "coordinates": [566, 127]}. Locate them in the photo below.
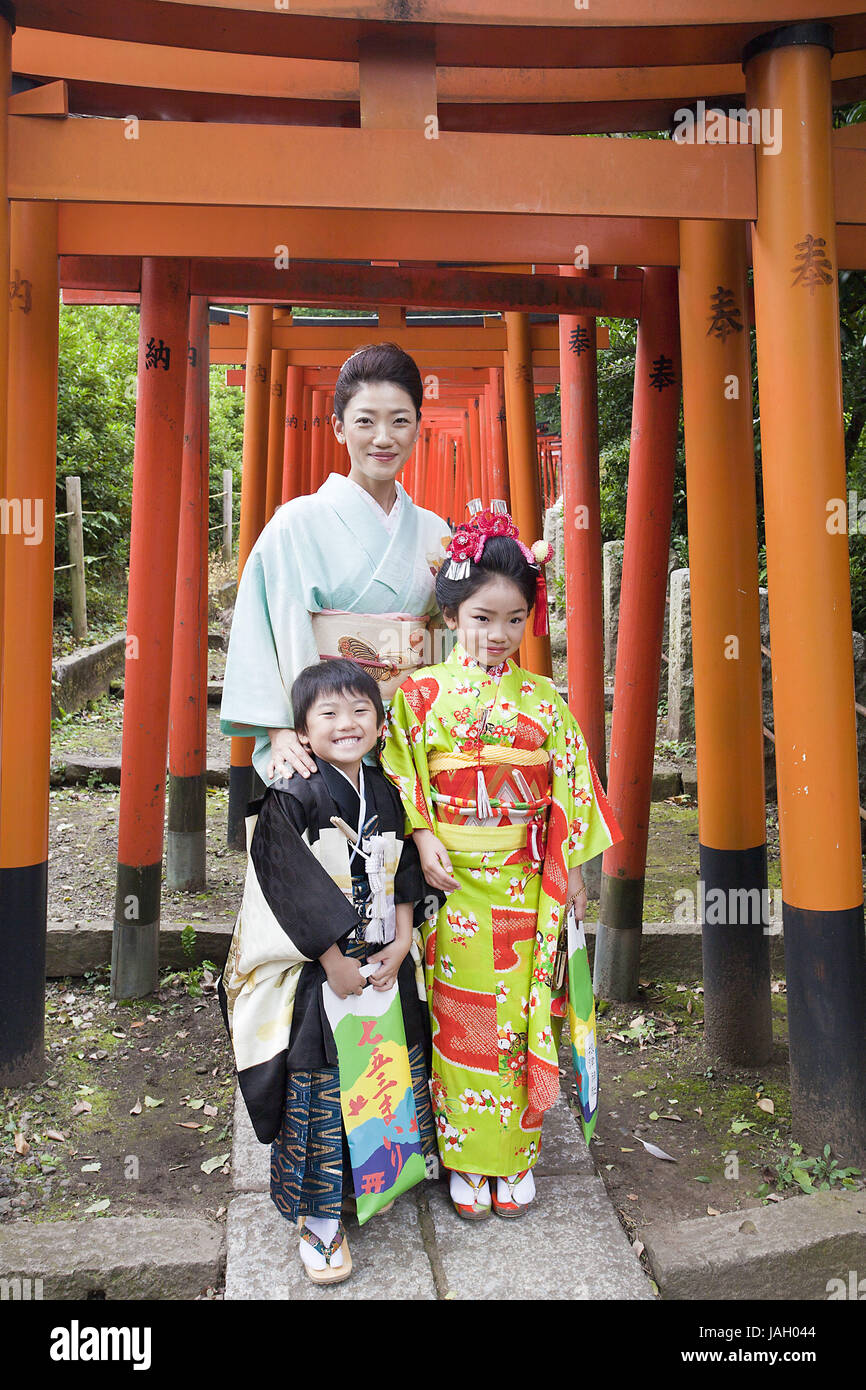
{"type": "Point", "coordinates": [310, 913]}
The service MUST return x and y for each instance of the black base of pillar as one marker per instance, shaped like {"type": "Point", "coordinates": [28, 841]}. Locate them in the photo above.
{"type": "Point", "coordinates": [738, 1019]}
{"type": "Point", "coordinates": [186, 842]}
{"type": "Point", "coordinates": [616, 965]}
{"type": "Point", "coordinates": [23, 914]}
{"type": "Point", "coordinates": [240, 795]}
{"type": "Point", "coordinates": [825, 964]}
{"type": "Point", "coordinates": [135, 942]}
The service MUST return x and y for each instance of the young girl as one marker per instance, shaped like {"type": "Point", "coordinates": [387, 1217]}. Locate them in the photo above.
{"type": "Point", "coordinates": [505, 803]}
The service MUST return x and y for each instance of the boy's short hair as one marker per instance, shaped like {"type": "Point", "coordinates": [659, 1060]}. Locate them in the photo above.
{"type": "Point", "coordinates": [337, 677]}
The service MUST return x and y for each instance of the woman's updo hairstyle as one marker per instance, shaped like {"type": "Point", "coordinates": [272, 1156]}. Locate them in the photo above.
{"type": "Point", "coordinates": [385, 362]}
{"type": "Point", "coordinates": [503, 558]}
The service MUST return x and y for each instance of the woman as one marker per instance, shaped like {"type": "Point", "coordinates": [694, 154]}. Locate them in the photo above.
{"type": "Point", "coordinates": [345, 572]}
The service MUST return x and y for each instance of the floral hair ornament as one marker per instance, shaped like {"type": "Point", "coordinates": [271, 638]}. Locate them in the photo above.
{"type": "Point", "coordinates": [467, 547]}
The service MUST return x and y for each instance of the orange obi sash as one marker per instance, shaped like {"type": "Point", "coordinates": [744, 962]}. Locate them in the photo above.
{"type": "Point", "coordinates": [511, 785]}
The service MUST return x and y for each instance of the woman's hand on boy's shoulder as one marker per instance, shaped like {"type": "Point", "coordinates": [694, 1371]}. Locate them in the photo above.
{"type": "Point", "coordinates": [288, 755]}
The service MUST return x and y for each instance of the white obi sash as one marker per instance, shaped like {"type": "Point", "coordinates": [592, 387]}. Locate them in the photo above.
{"type": "Point", "coordinates": [388, 646]}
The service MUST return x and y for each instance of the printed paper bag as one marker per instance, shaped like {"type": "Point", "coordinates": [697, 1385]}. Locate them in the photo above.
{"type": "Point", "coordinates": [376, 1094]}
{"type": "Point", "coordinates": [581, 1024]}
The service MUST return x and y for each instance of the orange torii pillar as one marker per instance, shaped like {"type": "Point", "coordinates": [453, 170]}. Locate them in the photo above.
{"type": "Point", "coordinates": [470, 478]}
{"type": "Point", "coordinates": [26, 633]}
{"type": "Point", "coordinates": [306, 439]}
{"type": "Point", "coordinates": [461, 495]}
{"type": "Point", "coordinates": [808, 581]}
{"type": "Point", "coordinates": [523, 466]}
{"type": "Point", "coordinates": [496, 416]}
{"type": "Point", "coordinates": [726, 639]}
{"type": "Point", "coordinates": [294, 434]}
{"type": "Point", "coordinates": [649, 507]}
{"type": "Point", "coordinates": [257, 401]}
{"type": "Point", "coordinates": [156, 483]}
{"type": "Point", "coordinates": [317, 441]}
{"type": "Point", "coordinates": [276, 425]}
{"type": "Point", "coordinates": [185, 845]}
{"type": "Point", "coordinates": [581, 521]}
{"type": "Point", "coordinates": [478, 483]}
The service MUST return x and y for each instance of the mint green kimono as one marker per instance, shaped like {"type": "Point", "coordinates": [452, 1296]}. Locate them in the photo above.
{"type": "Point", "coordinates": [330, 550]}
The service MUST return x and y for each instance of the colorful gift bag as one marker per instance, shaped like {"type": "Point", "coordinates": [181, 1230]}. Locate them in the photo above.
{"type": "Point", "coordinates": [376, 1094]}
{"type": "Point", "coordinates": [581, 1024]}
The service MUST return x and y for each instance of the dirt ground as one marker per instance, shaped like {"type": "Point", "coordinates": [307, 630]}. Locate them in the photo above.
{"type": "Point", "coordinates": [135, 1097]}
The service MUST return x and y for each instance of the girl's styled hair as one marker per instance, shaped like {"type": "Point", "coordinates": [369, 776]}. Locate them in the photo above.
{"type": "Point", "coordinates": [337, 677]}
{"type": "Point", "coordinates": [501, 557]}
{"type": "Point", "coordinates": [384, 362]}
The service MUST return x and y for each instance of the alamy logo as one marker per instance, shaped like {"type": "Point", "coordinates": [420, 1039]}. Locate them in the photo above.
{"type": "Point", "coordinates": [77, 1343]}
{"type": "Point", "coordinates": [739, 126]}
{"type": "Point", "coordinates": [20, 1290]}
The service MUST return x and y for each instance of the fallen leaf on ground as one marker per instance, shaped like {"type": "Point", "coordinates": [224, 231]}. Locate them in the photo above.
{"type": "Point", "coordinates": [194, 1104]}
{"type": "Point", "coordinates": [55, 1134]}
{"type": "Point", "coordinates": [638, 1247]}
{"type": "Point", "coordinates": [81, 1107]}
{"type": "Point", "coordinates": [151, 1103]}
{"type": "Point", "coordinates": [210, 1110]}
{"type": "Point", "coordinates": [711, 1211]}
{"type": "Point", "coordinates": [766, 1104]}
{"type": "Point", "coordinates": [678, 1118]}
{"type": "Point", "coordinates": [211, 1164]}
{"type": "Point", "coordinates": [101, 1205]}
{"type": "Point", "coordinates": [136, 1109]}
{"type": "Point", "coordinates": [655, 1150]}
{"type": "Point", "coordinates": [91, 1167]}
{"type": "Point", "coordinates": [188, 1124]}
{"type": "Point", "coordinates": [21, 1145]}
{"type": "Point", "coordinates": [139, 1024]}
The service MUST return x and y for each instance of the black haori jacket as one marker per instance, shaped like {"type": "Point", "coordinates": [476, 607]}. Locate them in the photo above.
{"type": "Point", "coordinates": [297, 901]}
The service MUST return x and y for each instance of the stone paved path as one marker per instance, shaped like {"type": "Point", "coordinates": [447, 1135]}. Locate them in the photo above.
{"type": "Point", "coordinates": [570, 1245]}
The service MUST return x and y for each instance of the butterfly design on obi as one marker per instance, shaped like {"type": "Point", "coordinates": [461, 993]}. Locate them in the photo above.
{"type": "Point", "coordinates": [368, 659]}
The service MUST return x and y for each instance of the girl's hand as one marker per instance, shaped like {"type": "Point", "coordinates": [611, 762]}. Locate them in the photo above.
{"type": "Point", "coordinates": [576, 893]}
{"type": "Point", "coordinates": [389, 960]}
{"type": "Point", "coordinates": [435, 861]}
{"type": "Point", "coordinates": [288, 755]}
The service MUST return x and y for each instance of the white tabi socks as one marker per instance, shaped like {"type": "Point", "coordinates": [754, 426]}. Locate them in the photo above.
{"type": "Point", "coordinates": [510, 1190]}
{"type": "Point", "coordinates": [325, 1228]}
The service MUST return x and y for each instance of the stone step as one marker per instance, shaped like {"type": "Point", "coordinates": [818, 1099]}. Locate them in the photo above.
{"type": "Point", "coordinates": [569, 1245]}
{"type": "Point", "coordinates": [113, 1257]}
{"type": "Point", "coordinates": [669, 950]}
{"type": "Point", "coordinates": [72, 769]}
{"type": "Point", "coordinates": [786, 1250]}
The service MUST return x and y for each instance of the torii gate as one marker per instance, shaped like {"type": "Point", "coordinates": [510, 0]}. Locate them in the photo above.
{"type": "Point", "coordinates": [461, 180]}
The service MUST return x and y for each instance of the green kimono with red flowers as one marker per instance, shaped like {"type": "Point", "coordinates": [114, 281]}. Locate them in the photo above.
{"type": "Point", "coordinates": [493, 762]}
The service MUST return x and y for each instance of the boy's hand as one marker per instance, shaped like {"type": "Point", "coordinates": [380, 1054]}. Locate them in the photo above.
{"type": "Point", "coordinates": [343, 972]}
{"type": "Point", "coordinates": [435, 861]}
{"type": "Point", "coordinates": [389, 960]}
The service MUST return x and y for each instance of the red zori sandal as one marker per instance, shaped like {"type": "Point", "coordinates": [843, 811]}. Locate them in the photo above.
{"type": "Point", "coordinates": [512, 1196]}
{"type": "Point", "coordinates": [470, 1194]}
